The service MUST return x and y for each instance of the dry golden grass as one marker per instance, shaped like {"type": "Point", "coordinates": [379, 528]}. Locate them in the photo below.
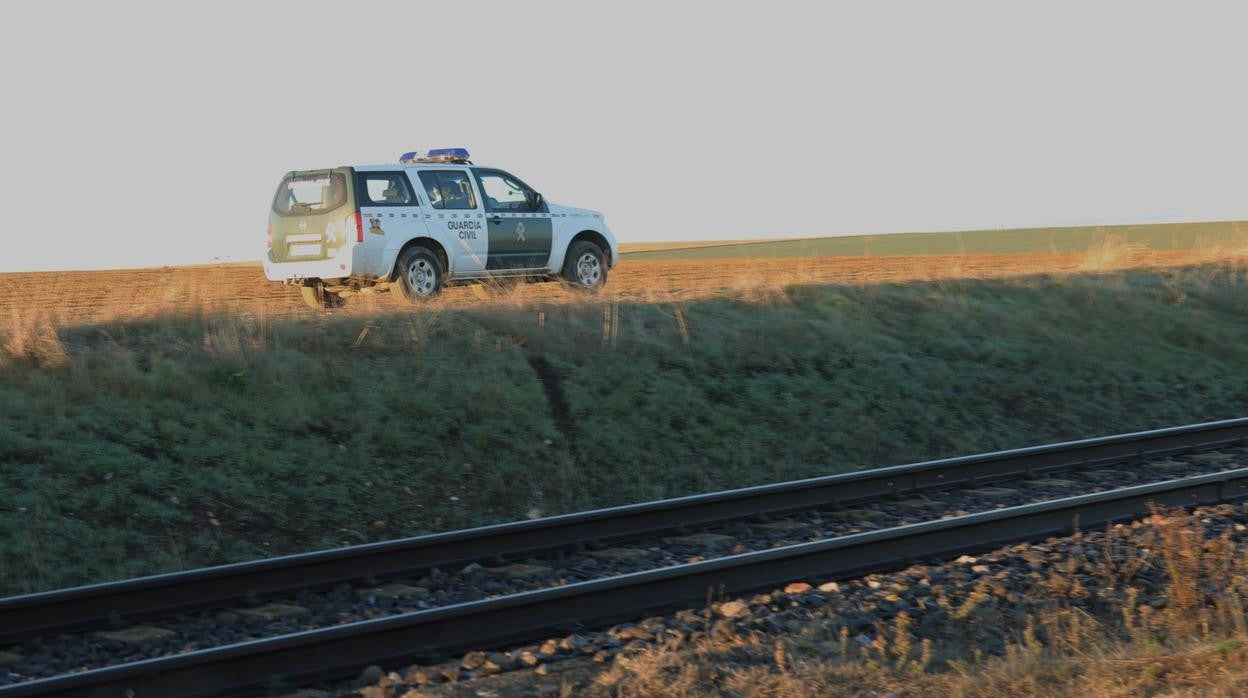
{"type": "Point", "coordinates": [33, 305]}
{"type": "Point", "coordinates": [33, 300]}
{"type": "Point", "coordinates": [33, 337]}
{"type": "Point", "coordinates": [627, 247]}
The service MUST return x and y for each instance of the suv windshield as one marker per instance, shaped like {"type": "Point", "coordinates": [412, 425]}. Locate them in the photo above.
{"type": "Point", "coordinates": [310, 194]}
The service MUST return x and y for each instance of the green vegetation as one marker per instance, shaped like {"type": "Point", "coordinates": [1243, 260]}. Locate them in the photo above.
{"type": "Point", "coordinates": [1160, 236]}
{"type": "Point", "coordinates": [135, 448]}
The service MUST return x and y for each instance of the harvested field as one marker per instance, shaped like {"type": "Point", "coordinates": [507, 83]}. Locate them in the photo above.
{"type": "Point", "coordinates": [637, 247]}
{"type": "Point", "coordinates": [1162, 237]}
{"type": "Point", "coordinates": [85, 297]}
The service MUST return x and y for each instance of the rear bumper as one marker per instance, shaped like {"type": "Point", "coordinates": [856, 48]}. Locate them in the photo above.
{"type": "Point", "coordinates": [293, 272]}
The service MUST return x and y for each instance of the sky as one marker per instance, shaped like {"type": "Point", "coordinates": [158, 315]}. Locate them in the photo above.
{"type": "Point", "coordinates": [138, 134]}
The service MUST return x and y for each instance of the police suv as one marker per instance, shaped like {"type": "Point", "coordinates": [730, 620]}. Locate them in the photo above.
{"type": "Point", "coordinates": [433, 219]}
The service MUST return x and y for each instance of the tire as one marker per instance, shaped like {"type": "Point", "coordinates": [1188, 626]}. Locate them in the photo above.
{"type": "Point", "coordinates": [419, 275]}
{"type": "Point", "coordinates": [317, 299]}
{"type": "Point", "coordinates": [585, 266]}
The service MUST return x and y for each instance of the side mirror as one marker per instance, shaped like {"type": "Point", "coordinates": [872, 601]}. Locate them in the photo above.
{"type": "Point", "coordinates": [536, 201]}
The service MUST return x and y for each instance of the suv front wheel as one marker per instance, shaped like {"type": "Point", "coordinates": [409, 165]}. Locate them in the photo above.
{"type": "Point", "coordinates": [585, 266]}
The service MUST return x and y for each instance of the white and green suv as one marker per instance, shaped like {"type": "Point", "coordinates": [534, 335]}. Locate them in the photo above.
{"type": "Point", "coordinates": [432, 219]}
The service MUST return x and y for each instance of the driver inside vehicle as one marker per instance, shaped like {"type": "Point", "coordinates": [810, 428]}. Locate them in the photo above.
{"type": "Point", "coordinates": [393, 195]}
{"type": "Point", "coordinates": [435, 195]}
{"type": "Point", "coordinates": [453, 192]}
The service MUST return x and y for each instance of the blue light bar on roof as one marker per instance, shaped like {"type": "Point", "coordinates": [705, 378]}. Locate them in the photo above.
{"type": "Point", "coordinates": [436, 155]}
{"type": "Point", "coordinates": [450, 153]}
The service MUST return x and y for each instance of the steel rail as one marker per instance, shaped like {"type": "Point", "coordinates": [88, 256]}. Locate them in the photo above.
{"type": "Point", "coordinates": [342, 650]}
{"type": "Point", "coordinates": [33, 615]}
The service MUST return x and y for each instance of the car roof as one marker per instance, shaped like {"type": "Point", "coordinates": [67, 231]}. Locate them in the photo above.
{"type": "Point", "coordinates": [390, 167]}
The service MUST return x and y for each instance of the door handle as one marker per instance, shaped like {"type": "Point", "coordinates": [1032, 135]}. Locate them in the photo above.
{"type": "Point", "coordinates": [496, 220]}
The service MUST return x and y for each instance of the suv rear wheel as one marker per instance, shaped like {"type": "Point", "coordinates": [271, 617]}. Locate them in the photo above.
{"type": "Point", "coordinates": [585, 266]}
{"type": "Point", "coordinates": [420, 275]}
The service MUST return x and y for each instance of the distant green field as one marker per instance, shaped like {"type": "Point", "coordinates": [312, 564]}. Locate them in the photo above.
{"type": "Point", "coordinates": [1159, 236]}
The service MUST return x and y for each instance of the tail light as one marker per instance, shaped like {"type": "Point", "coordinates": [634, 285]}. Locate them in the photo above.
{"type": "Point", "coordinates": [359, 227]}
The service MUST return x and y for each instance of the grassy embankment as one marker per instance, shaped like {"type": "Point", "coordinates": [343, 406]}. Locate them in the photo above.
{"type": "Point", "coordinates": [142, 446]}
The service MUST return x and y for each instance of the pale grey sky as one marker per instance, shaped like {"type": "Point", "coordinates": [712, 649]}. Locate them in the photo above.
{"type": "Point", "coordinates": [155, 133]}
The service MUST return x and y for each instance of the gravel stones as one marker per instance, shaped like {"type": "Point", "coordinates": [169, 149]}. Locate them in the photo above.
{"type": "Point", "coordinates": [865, 515]}
{"type": "Point", "coordinates": [574, 643]}
{"type": "Point", "coordinates": [389, 591]}
{"type": "Point", "coordinates": [520, 571]}
{"type": "Point", "coordinates": [499, 661]}
{"type": "Point", "coordinates": [370, 675]}
{"type": "Point", "coordinates": [1048, 482]}
{"type": "Point", "coordinates": [473, 660]}
{"type": "Point", "coordinates": [633, 632]}
{"type": "Point", "coordinates": [978, 600]}
{"type": "Point", "coordinates": [272, 612]}
{"type": "Point", "coordinates": [708, 540]}
{"type": "Point", "coordinates": [993, 492]}
{"type": "Point", "coordinates": [136, 635]}
{"type": "Point", "coordinates": [621, 554]}
{"type": "Point", "coordinates": [781, 526]}
{"type": "Point", "coordinates": [1215, 456]}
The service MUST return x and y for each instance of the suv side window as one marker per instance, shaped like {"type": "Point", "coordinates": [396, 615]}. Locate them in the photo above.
{"type": "Point", "coordinates": [386, 189]}
{"type": "Point", "coordinates": [448, 189]}
{"type": "Point", "coordinates": [503, 192]}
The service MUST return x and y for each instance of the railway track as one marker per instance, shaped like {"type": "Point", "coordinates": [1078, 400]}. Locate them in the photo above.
{"type": "Point", "coordinates": [1213, 451]}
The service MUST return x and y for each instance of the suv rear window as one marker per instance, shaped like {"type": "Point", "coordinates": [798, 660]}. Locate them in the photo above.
{"type": "Point", "coordinates": [310, 194]}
